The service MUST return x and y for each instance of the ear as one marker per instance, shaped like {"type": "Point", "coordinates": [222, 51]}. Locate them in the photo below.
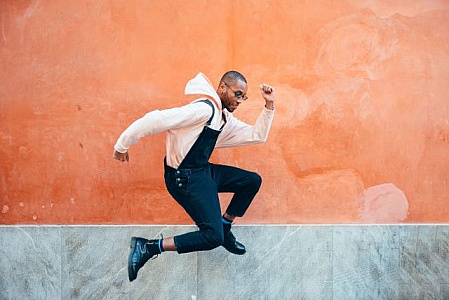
{"type": "Point", "coordinates": [222, 87]}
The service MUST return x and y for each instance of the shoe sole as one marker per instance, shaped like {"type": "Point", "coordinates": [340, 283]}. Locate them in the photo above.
{"type": "Point", "coordinates": [131, 275]}
{"type": "Point", "coordinates": [242, 252]}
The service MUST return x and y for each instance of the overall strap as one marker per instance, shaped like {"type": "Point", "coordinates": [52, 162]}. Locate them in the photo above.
{"type": "Point", "coordinates": [213, 109]}
{"type": "Point", "coordinates": [224, 119]}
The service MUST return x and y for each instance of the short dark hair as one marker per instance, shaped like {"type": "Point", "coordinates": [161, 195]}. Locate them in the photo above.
{"type": "Point", "coordinates": [232, 76]}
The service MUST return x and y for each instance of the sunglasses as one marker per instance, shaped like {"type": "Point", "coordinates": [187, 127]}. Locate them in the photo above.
{"type": "Point", "coordinates": [237, 94]}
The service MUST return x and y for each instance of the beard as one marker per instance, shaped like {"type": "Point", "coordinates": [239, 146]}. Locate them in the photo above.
{"type": "Point", "coordinates": [226, 103]}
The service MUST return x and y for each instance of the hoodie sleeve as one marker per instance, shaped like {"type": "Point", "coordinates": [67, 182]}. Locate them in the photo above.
{"type": "Point", "coordinates": [238, 133]}
{"type": "Point", "coordinates": [162, 120]}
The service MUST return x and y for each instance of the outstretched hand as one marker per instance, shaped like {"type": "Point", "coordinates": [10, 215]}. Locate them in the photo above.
{"type": "Point", "coordinates": [269, 94]}
{"type": "Point", "coordinates": [120, 156]}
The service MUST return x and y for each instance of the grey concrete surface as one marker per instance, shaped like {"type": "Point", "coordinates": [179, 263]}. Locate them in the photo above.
{"type": "Point", "coordinates": [282, 262]}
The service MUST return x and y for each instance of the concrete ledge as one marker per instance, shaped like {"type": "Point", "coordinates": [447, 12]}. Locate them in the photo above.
{"type": "Point", "coordinates": [283, 262]}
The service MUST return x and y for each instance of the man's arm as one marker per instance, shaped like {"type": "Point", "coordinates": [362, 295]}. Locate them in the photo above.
{"type": "Point", "coordinates": [238, 133]}
{"type": "Point", "coordinates": [158, 121]}
{"type": "Point", "coordinates": [269, 94]}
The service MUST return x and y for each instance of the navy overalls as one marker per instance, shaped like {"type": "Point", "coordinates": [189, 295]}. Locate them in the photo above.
{"type": "Point", "coordinates": [195, 185]}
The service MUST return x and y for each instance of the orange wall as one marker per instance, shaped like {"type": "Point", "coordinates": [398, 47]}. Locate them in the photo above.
{"type": "Point", "coordinates": [361, 132]}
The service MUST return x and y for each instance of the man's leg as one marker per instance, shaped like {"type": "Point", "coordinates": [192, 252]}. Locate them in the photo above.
{"type": "Point", "coordinates": [245, 185]}
{"type": "Point", "coordinates": [197, 194]}
{"type": "Point", "coordinates": [199, 198]}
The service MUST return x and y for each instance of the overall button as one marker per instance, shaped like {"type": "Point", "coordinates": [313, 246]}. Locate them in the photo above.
{"type": "Point", "coordinates": [178, 179]}
{"type": "Point", "coordinates": [177, 172]}
{"type": "Point", "coordinates": [180, 184]}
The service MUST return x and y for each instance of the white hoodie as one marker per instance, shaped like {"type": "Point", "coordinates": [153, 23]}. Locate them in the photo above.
{"type": "Point", "coordinates": [184, 124]}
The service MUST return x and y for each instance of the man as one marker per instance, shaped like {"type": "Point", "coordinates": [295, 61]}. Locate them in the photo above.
{"type": "Point", "coordinates": [193, 131]}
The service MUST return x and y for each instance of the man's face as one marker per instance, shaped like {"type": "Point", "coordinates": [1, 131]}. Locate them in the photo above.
{"type": "Point", "coordinates": [232, 94]}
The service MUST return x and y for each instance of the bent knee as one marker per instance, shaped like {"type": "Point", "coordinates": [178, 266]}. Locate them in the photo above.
{"type": "Point", "coordinates": [256, 180]}
{"type": "Point", "coordinates": [214, 238]}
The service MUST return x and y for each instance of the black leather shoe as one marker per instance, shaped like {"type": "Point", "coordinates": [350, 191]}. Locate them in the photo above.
{"type": "Point", "coordinates": [141, 251]}
{"type": "Point", "coordinates": [231, 244]}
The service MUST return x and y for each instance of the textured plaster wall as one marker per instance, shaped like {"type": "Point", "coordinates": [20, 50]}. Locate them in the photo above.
{"type": "Point", "coordinates": [361, 132]}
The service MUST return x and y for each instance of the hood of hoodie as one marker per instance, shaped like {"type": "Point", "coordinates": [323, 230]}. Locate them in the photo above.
{"type": "Point", "coordinates": [201, 85]}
